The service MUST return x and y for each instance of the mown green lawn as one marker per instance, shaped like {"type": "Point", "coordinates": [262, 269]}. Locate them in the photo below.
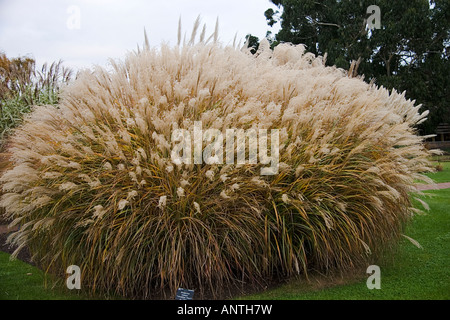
{"type": "Point", "coordinates": [21, 281]}
{"type": "Point", "coordinates": [412, 273]}
{"type": "Point", "coordinates": [441, 176]}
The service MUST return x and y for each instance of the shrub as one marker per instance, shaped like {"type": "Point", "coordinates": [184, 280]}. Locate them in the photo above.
{"type": "Point", "coordinates": [92, 182]}
{"type": "Point", "coordinates": [22, 86]}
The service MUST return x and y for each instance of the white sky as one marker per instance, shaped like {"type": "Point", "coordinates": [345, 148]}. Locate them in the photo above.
{"type": "Point", "coordinates": [47, 29]}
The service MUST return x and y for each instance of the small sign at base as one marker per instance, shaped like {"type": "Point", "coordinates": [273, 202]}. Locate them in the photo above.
{"type": "Point", "coordinates": [184, 294]}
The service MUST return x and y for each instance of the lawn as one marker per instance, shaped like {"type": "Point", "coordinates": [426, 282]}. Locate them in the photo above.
{"type": "Point", "coordinates": [441, 176]}
{"type": "Point", "coordinates": [412, 273]}
{"type": "Point", "coordinates": [21, 281]}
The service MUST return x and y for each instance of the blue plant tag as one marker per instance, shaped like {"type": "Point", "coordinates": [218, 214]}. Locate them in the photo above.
{"type": "Point", "coordinates": [184, 294]}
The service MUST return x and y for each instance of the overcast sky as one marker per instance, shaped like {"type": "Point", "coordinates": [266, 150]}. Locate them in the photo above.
{"type": "Point", "coordinates": [87, 32]}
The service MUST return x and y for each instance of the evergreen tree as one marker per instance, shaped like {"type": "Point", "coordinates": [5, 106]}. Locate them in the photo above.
{"type": "Point", "coordinates": [409, 52]}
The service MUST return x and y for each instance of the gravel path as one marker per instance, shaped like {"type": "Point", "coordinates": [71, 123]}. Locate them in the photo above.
{"type": "Point", "coordinates": [436, 186]}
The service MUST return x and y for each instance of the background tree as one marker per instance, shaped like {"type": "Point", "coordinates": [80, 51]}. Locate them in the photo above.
{"type": "Point", "coordinates": [252, 42]}
{"type": "Point", "coordinates": [409, 52]}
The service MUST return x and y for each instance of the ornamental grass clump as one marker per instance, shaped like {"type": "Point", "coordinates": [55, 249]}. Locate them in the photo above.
{"type": "Point", "coordinates": [92, 182]}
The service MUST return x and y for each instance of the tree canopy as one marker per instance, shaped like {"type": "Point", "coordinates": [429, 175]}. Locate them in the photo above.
{"type": "Point", "coordinates": [409, 52]}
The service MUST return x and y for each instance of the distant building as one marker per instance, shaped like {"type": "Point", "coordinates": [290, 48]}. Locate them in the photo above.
{"type": "Point", "coordinates": [442, 138]}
